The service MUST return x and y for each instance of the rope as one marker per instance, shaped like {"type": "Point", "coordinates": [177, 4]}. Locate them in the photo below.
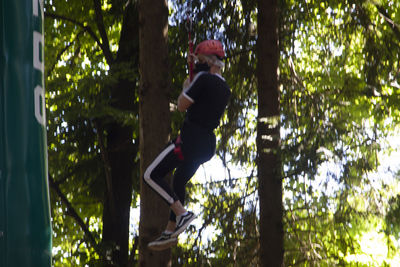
{"type": "Point", "coordinates": [189, 28]}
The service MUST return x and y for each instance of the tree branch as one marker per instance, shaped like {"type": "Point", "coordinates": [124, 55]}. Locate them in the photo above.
{"type": "Point", "coordinates": [88, 29]}
{"type": "Point", "coordinates": [58, 57]}
{"type": "Point", "coordinates": [102, 31]}
{"type": "Point", "coordinates": [72, 212]}
{"type": "Point", "coordinates": [132, 260]}
{"type": "Point", "coordinates": [394, 26]}
{"type": "Point", "coordinates": [107, 168]}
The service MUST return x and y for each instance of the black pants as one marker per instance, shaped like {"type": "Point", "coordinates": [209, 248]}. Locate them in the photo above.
{"type": "Point", "coordinates": [198, 146]}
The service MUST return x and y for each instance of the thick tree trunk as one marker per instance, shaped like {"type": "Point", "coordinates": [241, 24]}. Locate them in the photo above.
{"type": "Point", "coordinates": [268, 137]}
{"type": "Point", "coordinates": [154, 121]}
{"type": "Point", "coordinates": [117, 206]}
{"type": "Point", "coordinates": [120, 151]}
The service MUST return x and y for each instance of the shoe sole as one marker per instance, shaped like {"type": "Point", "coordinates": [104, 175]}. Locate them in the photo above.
{"type": "Point", "coordinates": [162, 246]}
{"type": "Point", "coordinates": [179, 231]}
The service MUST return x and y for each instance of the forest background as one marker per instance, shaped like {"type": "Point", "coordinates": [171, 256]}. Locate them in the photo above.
{"type": "Point", "coordinates": [339, 115]}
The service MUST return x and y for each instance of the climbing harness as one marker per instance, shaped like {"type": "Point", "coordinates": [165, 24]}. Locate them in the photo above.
{"type": "Point", "coordinates": [178, 148]}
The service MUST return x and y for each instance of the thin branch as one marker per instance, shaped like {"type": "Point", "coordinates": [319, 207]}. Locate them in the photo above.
{"type": "Point", "coordinates": [229, 181]}
{"type": "Point", "coordinates": [199, 232]}
{"type": "Point", "coordinates": [88, 29]}
{"type": "Point", "coordinates": [72, 212]}
{"type": "Point", "coordinates": [394, 26]}
{"type": "Point", "coordinates": [107, 168]}
{"type": "Point", "coordinates": [58, 57]}
{"type": "Point", "coordinates": [102, 30]}
{"type": "Point", "coordinates": [132, 260]}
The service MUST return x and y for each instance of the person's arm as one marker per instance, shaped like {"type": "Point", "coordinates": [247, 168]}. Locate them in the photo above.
{"type": "Point", "coordinates": [183, 101]}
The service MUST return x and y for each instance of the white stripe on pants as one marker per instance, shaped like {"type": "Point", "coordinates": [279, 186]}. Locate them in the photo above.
{"type": "Point", "coordinates": [150, 169]}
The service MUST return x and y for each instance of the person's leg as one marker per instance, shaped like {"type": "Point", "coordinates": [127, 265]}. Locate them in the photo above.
{"type": "Point", "coordinates": [171, 225]}
{"type": "Point", "coordinates": [179, 217]}
{"type": "Point", "coordinates": [183, 173]}
{"type": "Point", "coordinates": [154, 175]}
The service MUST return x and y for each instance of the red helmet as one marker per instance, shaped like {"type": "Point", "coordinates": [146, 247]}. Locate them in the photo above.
{"type": "Point", "coordinates": [210, 47]}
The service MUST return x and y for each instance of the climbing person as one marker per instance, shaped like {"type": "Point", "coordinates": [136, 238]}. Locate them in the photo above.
{"type": "Point", "coordinates": [204, 100]}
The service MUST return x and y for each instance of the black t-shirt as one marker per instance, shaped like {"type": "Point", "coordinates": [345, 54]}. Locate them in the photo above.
{"type": "Point", "coordinates": [209, 94]}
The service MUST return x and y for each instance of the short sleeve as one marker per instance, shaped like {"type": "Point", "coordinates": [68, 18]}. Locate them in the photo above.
{"type": "Point", "coordinates": [193, 91]}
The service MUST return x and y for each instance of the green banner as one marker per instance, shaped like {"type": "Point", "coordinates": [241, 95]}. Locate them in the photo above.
{"type": "Point", "coordinates": [25, 228]}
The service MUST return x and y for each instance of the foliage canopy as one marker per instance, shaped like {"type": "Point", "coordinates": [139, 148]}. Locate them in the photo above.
{"type": "Point", "coordinates": [338, 76]}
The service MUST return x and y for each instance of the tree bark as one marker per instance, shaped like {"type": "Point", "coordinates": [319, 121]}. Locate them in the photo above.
{"type": "Point", "coordinates": [268, 137]}
{"type": "Point", "coordinates": [120, 151]}
{"type": "Point", "coordinates": [154, 121]}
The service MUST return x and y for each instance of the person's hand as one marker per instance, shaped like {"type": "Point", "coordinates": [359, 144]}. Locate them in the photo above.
{"type": "Point", "coordinates": [191, 58]}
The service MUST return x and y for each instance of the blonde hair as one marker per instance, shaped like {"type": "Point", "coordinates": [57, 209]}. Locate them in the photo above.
{"type": "Point", "coordinates": [212, 60]}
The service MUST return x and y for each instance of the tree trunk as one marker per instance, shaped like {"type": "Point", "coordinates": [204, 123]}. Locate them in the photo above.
{"type": "Point", "coordinates": [154, 121]}
{"type": "Point", "coordinates": [268, 137]}
{"type": "Point", "coordinates": [120, 151]}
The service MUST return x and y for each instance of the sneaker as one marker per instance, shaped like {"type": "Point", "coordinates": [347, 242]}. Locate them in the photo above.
{"type": "Point", "coordinates": [183, 221]}
{"type": "Point", "coordinates": [163, 242]}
